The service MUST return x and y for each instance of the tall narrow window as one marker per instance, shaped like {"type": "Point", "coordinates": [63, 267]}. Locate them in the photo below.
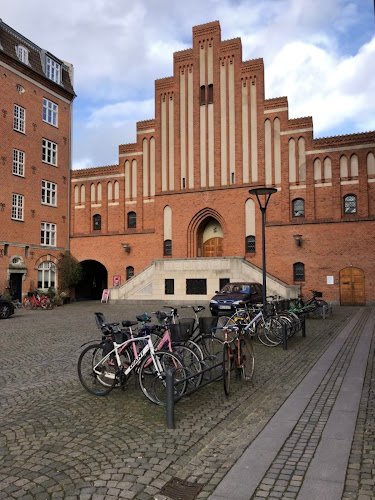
{"type": "Point", "coordinates": [299, 271]}
{"type": "Point", "coordinates": [250, 244]}
{"type": "Point", "coordinates": [129, 272]}
{"type": "Point", "coordinates": [48, 234]}
{"type": "Point", "coordinates": [49, 152]}
{"type": "Point", "coordinates": [168, 247]}
{"type": "Point", "coordinates": [53, 69]}
{"type": "Point", "coordinates": [298, 207]}
{"type": "Point", "coordinates": [18, 162]}
{"type": "Point", "coordinates": [132, 220]}
{"type": "Point", "coordinates": [22, 54]}
{"type": "Point", "coordinates": [49, 192]}
{"type": "Point", "coordinates": [50, 112]}
{"type": "Point", "coordinates": [17, 206]}
{"type": "Point", "coordinates": [97, 222]}
{"type": "Point", "coordinates": [210, 94]}
{"type": "Point", "coordinates": [350, 204]}
{"type": "Point", "coordinates": [46, 275]}
{"type": "Point", "coordinates": [203, 95]}
{"type": "Point", "coordinates": [19, 118]}
{"type": "Point", "coordinates": [169, 286]}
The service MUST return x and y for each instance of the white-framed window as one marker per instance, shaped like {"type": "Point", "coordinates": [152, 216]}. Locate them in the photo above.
{"type": "Point", "coordinates": [49, 152]}
{"type": "Point", "coordinates": [53, 69]}
{"type": "Point", "coordinates": [49, 193]}
{"type": "Point", "coordinates": [50, 110]}
{"type": "Point", "coordinates": [19, 118]}
{"type": "Point", "coordinates": [17, 206]}
{"type": "Point", "coordinates": [22, 54]}
{"type": "Point", "coordinates": [18, 162]}
{"type": "Point", "coordinates": [46, 275]}
{"type": "Point", "coordinates": [48, 234]}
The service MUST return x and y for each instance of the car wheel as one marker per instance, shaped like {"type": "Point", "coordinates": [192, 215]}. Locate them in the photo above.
{"type": "Point", "coordinates": [4, 311]}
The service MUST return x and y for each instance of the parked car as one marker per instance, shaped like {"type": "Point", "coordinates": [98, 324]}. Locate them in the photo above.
{"type": "Point", "coordinates": [235, 295]}
{"type": "Point", "coordinates": [6, 308]}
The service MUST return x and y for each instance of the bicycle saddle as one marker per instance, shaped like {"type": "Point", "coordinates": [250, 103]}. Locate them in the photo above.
{"type": "Point", "coordinates": [127, 323]}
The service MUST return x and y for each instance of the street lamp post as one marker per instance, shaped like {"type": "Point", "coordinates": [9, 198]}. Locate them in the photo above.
{"type": "Point", "coordinates": [267, 192]}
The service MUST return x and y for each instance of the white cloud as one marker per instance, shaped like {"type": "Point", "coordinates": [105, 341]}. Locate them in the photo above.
{"type": "Point", "coordinates": [319, 53]}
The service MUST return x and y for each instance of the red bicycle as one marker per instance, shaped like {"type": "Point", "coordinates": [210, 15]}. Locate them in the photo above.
{"type": "Point", "coordinates": [36, 301]}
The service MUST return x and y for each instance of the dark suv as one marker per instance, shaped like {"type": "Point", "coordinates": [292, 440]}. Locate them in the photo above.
{"type": "Point", "coordinates": [235, 295]}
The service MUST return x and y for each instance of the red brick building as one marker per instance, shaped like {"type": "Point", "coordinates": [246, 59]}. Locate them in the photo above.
{"type": "Point", "coordinates": [175, 215]}
{"type": "Point", "coordinates": [36, 96]}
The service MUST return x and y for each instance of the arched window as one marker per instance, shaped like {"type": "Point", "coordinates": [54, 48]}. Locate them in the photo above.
{"type": "Point", "coordinates": [167, 247]}
{"type": "Point", "coordinates": [132, 219]}
{"type": "Point", "coordinates": [299, 271]}
{"type": "Point", "coordinates": [298, 207]}
{"type": "Point", "coordinates": [203, 95]}
{"type": "Point", "coordinates": [129, 272]}
{"type": "Point", "coordinates": [210, 94]}
{"type": "Point", "coordinates": [97, 222]}
{"type": "Point", "coordinates": [250, 244]}
{"type": "Point", "coordinates": [350, 204]}
{"type": "Point", "coordinates": [46, 275]}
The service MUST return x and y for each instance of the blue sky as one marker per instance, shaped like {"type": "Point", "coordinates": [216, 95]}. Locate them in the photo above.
{"type": "Point", "coordinates": [318, 53]}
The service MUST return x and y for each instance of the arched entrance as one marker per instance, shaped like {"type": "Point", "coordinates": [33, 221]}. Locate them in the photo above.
{"type": "Point", "coordinates": [95, 280]}
{"type": "Point", "coordinates": [210, 238]}
{"type": "Point", "coordinates": [352, 287]}
{"type": "Point", "coordinates": [206, 234]}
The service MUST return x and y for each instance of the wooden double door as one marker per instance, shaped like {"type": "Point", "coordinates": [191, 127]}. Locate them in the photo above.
{"type": "Point", "coordinates": [213, 247]}
{"type": "Point", "coordinates": [352, 287]}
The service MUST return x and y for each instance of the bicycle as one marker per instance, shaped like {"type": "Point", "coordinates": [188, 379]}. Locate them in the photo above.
{"type": "Point", "coordinates": [162, 338]}
{"type": "Point", "coordinates": [36, 301]}
{"type": "Point", "coordinates": [314, 304]}
{"type": "Point", "coordinates": [99, 373]}
{"type": "Point", "coordinates": [238, 355]}
{"type": "Point", "coordinates": [266, 329]}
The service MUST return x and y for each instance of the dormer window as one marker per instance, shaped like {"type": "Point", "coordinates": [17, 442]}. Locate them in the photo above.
{"type": "Point", "coordinates": [53, 69]}
{"type": "Point", "coordinates": [22, 54]}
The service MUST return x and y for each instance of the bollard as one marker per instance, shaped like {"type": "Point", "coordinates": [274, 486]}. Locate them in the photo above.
{"type": "Point", "coordinates": [285, 343]}
{"type": "Point", "coordinates": [303, 326]}
{"type": "Point", "coordinates": [169, 380]}
{"type": "Point", "coordinates": [324, 312]}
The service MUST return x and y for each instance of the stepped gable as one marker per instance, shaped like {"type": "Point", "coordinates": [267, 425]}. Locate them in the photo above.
{"type": "Point", "coordinates": [275, 103]}
{"type": "Point", "coordinates": [252, 65]}
{"type": "Point", "coordinates": [145, 125]}
{"type": "Point", "coordinates": [344, 140]}
{"type": "Point", "coordinates": [106, 170]}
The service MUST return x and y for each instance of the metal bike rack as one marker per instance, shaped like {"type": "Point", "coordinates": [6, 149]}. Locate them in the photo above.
{"type": "Point", "coordinates": [170, 384]}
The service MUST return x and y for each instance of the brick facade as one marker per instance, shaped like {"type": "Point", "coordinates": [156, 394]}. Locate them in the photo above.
{"type": "Point", "coordinates": [187, 179]}
{"type": "Point", "coordinates": [42, 183]}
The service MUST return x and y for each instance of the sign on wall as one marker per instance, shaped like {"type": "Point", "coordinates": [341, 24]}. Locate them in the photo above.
{"type": "Point", "coordinates": [116, 280]}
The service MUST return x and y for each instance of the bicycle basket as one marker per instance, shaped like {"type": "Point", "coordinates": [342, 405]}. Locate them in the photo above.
{"type": "Point", "coordinates": [206, 323]}
{"type": "Point", "coordinates": [318, 294]}
{"type": "Point", "coordinates": [120, 337]}
{"type": "Point", "coordinates": [182, 331]}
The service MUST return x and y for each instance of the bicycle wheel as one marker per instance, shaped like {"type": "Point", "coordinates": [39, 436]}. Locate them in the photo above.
{"type": "Point", "coordinates": [191, 362]}
{"type": "Point", "coordinates": [318, 311]}
{"type": "Point", "coordinates": [227, 364]}
{"type": "Point", "coordinates": [27, 304]}
{"type": "Point", "coordinates": [126, 357]}
{"type": "Point", "coordinates": [152, 376]}
{"type": "Point", "coordinates": [97, 377]}
{"type": "Point", "coordinates": [247, 360]}
{"type": "Point", "coordinates": [44, 302]}
{"type": "Point", "coordinates": [269, 332]}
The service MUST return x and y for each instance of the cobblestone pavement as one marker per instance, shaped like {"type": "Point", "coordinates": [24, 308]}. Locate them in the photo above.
{"type": "Point", "coordinates": [58, 441]}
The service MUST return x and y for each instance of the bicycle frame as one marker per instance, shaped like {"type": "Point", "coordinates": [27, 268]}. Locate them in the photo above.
{"type": "Point", "coordinates": [149, 348]}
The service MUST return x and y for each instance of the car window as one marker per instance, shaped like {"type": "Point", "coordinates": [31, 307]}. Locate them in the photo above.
{"type": "Point", "coordinates": [245, 289]}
